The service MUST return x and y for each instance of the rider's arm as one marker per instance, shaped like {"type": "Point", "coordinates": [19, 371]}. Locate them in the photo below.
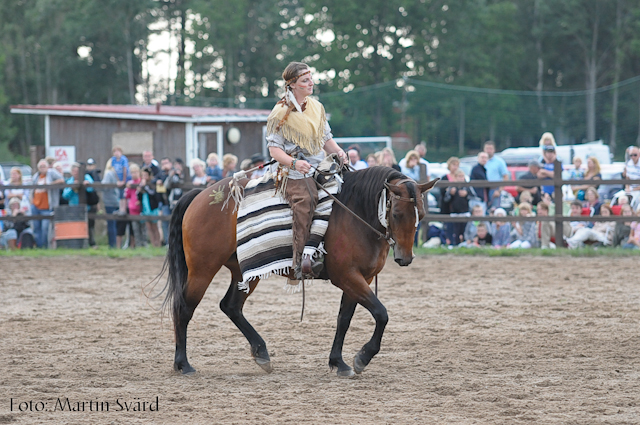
{"type": "Point", "coordinates": [330, 146]}
{"type": "Point", "coordinates": [287, 160]}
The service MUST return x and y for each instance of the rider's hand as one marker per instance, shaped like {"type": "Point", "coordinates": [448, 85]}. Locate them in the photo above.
{"type": "Point", "coordinates": [342, 155]}
{"type": "Point", "coordinates": [303, 166]}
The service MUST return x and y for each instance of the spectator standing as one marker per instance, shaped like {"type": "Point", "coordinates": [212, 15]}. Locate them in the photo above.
{"type": "Point", "coordinates": [421, 149]}
{"type": "Point", "coordinates": [496, 170]}
{"type": "Point", "coordinates": [411, 167]}
{"type": "Point", "coordinates": [531, 174]}
{"type": "Point", "coordinates": [500, 230]}
{"type": "Point", "coordinates": [372, 161]}
{"type": "Point", "coordinates": [111, 200]}
{"type": "Point", "coordinates": [457, 201]}
{"type": "Point", "coordinates": [150, 201]}
{"type": "Point", "coordinates": [229, 163]}
{"type": "Point", "coordinates": [547, 170]}
{"type": "Point", "coordinates": [479, 172]}
{"type": "Point", "coordinates": [165, 168]}
{"type": "Point", "coordinates": [214, 172]}
{"type": "Point", "coordinates": [43, 201]}
{"type": "Point", "coordinates": [135, 207]}
{"type": "Point", "coordinates": [71, 195]}
{"type": "Point", "coordinates": [150, 163]}
{"type": "Point", "coordinates": [523, 234]}
{"type": "Point", "coordinates": [199, 175]}
{"type": "Point", "coordinates": [354, 158]}
{"type": "Point", "coordinates": [172, 183]}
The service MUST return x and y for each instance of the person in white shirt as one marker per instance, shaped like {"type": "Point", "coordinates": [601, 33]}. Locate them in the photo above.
{"type": "Point", "coordinates": [354, 159]}
{"type": "Point", "coordinates": [632, 172]}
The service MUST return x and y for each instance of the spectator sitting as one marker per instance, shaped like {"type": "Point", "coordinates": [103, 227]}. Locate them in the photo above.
{"type": "Point", "coordinates": [354, 158]}
{"type": "Point", "coordinates": [245, 166]}
{"type": "Point", "coordinates": [500, 230]}
{"type": "Point", "coordinates": [371, 160]}
{"type": "Point", "coordinates": [602, 231]}
{"type": "Point", "coordinates": [592, 201]}
{"type": "Point", "coordinates": [622, 230]}
{"type": "Point", "coordinates": [633, 241]}
{"type": "Point", "coordinates": [214, 172]}
{"type": "Point", "coordinates": [483, 237]}
{"type": "Point", "coordinates": [135, 207]}
{"type": "Point", "coordinates": [14, 231]}
{"type": "Point", "coordinates": [199, 176]}
{"type": "Point", "coordinates": [15, 179]}
{"type": "Point", "coordinates": [229, 163]}
{"type": "Point", "coordinates": [632, 172]}
{"type": "Point", "coordinates": [576, 173]}
{"type": "Point", "coordinates": [257, 160]}
{"type": "Point", "coordinates": [457, 201]}
{"type": "Point", "coordinates": [526, 197]}
{"type": "Point", "coordinates": [547, 229]}
{"type": "Point", "coordinates": [388, 159]}
{"type": "Point", "coordinates": [471, 228]}
{"type": "Point", "coordinates": [532, 174]}
{"type": "Point", "coordinates": [593, 173]}
{"type": "Point", "coordinates": [523, 234]}
{"type": "Point", "coordinates": [411, 168]}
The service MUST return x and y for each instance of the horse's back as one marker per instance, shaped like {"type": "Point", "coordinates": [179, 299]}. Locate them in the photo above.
{"type": "Point", "coordinates": [209, 230]}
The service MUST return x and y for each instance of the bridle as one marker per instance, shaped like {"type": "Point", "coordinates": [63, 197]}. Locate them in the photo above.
{"type": "Point", "coordinates": [386, 196]}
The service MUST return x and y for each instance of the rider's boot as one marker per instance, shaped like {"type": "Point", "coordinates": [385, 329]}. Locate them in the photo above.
{"type": "Point", "coordinates": [311, 267]}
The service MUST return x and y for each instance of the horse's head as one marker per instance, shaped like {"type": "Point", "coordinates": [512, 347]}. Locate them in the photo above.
{"type": "Point", "coordinates": [406, 209]}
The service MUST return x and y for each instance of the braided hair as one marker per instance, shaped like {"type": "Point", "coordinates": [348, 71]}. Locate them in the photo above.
{"type": "Point", "coordinates": [290, 75]}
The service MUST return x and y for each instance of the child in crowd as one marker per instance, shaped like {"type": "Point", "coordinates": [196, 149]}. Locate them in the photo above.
{"type": "Point", "coordinates": [135, 207]}
{"type": "Point", "coordinates": [501, 230]}
{"type": "Point", "coordinates": [576, 173]}
{"type": "Point", "coordinates": [483, 237]}
{"type": "Point", "coordinates": [576, 211]}
{"type": "Point", "coordinates": [120, 164]}
{"type": "Point", "coordinates": [523, 234]}
{"type": "Point", "coordinates": [457, 200]}
{"type": "Point", "coordinates": [214, 172]}
{"type": "Point", "coordinates": [471, 228]}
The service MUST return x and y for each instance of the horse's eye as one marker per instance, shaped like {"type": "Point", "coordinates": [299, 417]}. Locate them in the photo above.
{"type": "Point", "coordinates": [396, 216]}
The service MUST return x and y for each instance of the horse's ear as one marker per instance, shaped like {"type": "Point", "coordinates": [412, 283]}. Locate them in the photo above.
{"type": "Point", "coordinates": [427, 186]}
{"type": "Point", "coordinates": [393, 188]}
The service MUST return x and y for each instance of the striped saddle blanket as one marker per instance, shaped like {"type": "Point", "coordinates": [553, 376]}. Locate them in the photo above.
{"type": "Point", "coordinates": [264, 229]}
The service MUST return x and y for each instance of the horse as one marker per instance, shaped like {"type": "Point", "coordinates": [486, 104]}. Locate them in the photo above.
{"type": "Point", "coordinates": [202, 239]}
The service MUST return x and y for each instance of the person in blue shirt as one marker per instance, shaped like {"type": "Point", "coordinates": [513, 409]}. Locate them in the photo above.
{"type": "Point", "coordinates": [71, 193]}
{"type": "Point", "coordinates": [546, 172]}
{"type": "Point", "coordinates": [411, 168]}
{"type": "Point", "coordinates": [496, 170]}
{"type": "Point", "coordinates": [213, 171]}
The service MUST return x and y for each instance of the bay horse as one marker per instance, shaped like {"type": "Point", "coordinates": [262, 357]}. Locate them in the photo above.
{"type": "Point", "coordinates": [202, 239]}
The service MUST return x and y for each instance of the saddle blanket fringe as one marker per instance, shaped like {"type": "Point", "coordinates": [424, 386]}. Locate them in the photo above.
{"type": "Point", "coordinates": [264, 230]}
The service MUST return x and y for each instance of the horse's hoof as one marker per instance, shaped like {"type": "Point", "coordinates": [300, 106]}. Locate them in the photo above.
{"type": "Point", "coordinates": [358, 365]}
{"type": "Point", "coordinates": [185, 370]}
{"type": "Point", "coordinates": [264, 364]}
{"type": "Point", "coordinates": [348, 373]}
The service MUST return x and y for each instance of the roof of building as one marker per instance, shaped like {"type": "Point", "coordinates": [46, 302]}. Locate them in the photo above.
{"type": "Point", "coordinates": [148, 112]}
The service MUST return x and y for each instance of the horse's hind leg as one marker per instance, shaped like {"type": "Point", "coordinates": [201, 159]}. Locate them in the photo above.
{"type": "Point", "coordinates": [347, 308]}
{"type": "Point", "coordinates": [232, 305]}
{"type": "Point", "coordinates": [198, 282]}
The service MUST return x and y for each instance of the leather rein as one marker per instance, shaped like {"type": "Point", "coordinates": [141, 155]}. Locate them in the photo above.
{"type": "Point", "coordinates": [387, 235]}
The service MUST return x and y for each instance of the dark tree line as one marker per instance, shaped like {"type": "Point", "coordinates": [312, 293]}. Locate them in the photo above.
{"type": "Point", "coordinates": [383, 66]}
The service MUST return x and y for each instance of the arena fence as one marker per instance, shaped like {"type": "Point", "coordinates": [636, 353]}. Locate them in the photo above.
{"type": "Point", "coordinates": [557, 182]}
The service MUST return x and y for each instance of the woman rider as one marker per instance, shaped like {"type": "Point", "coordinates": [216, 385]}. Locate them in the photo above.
{"type": "Point", "coordinates": [298, 125]}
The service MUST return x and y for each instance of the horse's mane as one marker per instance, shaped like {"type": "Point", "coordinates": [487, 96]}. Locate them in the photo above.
{"type": "Point", "coordinates": [361, 191]}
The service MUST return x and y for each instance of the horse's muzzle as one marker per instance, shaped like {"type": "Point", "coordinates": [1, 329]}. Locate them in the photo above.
{"type": "Point", "coordinates": [402, 261]}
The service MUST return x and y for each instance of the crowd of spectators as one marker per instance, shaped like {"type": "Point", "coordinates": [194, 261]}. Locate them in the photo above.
{"type": "Point", "coordinates": [152, 189]}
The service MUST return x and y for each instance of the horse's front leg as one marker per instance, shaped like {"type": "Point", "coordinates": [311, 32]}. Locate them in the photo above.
{"type": "Point", "coordinates": [347, 308]}
{"type": "Point", "coordinates": [371, 348]}
{"type": "Point", "coordinates": [357, 289]}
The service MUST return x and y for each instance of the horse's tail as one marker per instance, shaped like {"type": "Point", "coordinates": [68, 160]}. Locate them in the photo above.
{"type": "Point", "coordinates": [175, 260]}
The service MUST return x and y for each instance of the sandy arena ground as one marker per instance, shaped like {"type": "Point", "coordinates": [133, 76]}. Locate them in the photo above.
{"type": "Point", "coordinates": [470, 340]}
